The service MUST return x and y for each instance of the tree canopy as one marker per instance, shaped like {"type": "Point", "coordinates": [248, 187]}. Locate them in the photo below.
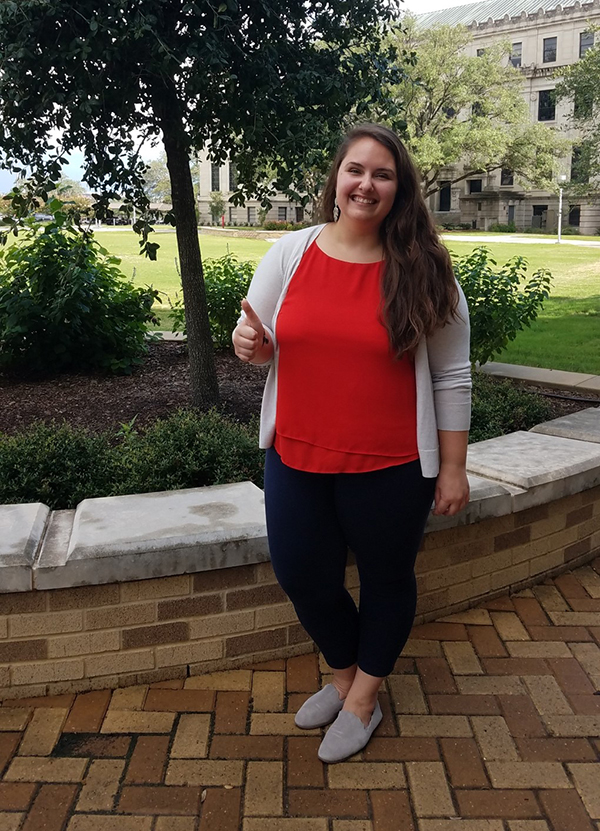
{"type": "Point", "coordinates": [580, 85]}
{"type": "Point", "coordinates": [468, 111]}
{"type": "Point", "coordinates": [267, 82]}
{"type": "Point", "coordinates": [157, 181]}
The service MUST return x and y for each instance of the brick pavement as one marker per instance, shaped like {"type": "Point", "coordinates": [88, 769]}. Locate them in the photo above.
{"type": "Point", "coordinates": [491, 723]}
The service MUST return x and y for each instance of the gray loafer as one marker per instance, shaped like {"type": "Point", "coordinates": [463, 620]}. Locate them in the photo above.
{"type": "Point", "coordinates": [320, 709]}
{"type": "Point", "coordinates": [347, 735]}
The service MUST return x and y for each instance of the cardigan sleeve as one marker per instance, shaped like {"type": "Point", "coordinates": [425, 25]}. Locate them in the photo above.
{"type": "Point", "coordinates": [450, 366]}
{"type": "Point", "coordinates": [266, 287]}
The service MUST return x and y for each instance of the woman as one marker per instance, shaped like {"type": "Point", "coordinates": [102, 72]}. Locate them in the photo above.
{"type": "Point", "coordinates": [365, 417]}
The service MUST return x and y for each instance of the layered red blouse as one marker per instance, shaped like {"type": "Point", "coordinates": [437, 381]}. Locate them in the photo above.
{"type": "Point", "coordinates": [344, 403]}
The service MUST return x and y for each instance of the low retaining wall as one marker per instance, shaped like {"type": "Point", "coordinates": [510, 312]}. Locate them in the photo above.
{"type": "Point", "coordinates": [136, 589]}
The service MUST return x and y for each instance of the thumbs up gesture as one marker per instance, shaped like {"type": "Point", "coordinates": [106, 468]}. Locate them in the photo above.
{"type": "Point", "coordinates": [249, 335]}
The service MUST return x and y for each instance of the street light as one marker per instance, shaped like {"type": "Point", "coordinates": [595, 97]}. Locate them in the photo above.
{"type": "Point", "coordinates": [562, 178]}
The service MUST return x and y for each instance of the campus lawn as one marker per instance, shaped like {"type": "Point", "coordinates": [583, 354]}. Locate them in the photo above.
{"type": "Point", "coordinates": [565, 336]}
{"type": "Point", "coordinates": [162, 273]}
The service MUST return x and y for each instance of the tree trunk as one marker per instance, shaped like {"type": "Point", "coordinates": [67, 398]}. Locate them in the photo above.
{"type": "Point", "coordinates": [203, 374]}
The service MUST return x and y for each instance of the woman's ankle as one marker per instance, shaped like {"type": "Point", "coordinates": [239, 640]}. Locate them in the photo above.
{"type": "Point", "coordinates": [342, 680]}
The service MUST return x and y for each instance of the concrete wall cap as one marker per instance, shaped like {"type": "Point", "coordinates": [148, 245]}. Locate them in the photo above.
{"type": "Point", "coordinates": [527, 459]}
{"type": "Point", "coordinates": [139, 536]}
{"type": "Point", "coordinates": [21, 529]}
{"type": "Point", "coordinates": [582, 426]}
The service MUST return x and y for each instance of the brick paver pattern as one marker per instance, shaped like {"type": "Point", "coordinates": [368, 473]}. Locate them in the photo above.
{"type": "Point", "coordinates": [491, 723]}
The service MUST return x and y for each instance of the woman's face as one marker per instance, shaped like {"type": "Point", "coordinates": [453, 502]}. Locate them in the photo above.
{"type": "Point", "coordinates": [366, 183]}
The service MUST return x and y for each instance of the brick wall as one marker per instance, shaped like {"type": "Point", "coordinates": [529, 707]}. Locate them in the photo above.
{"type": "Point", "coordinates": [134, 633]}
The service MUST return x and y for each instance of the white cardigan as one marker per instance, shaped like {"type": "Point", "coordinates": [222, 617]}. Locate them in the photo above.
{"type": "Point", "coordinates": [442, 365]}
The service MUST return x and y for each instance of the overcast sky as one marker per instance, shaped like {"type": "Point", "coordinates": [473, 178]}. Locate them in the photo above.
{"type": "Point", "coordinates": [73, 170]}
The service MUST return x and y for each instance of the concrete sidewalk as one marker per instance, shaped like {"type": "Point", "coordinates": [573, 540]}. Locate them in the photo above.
{"type": "Point", "coordinates": [491, 723]}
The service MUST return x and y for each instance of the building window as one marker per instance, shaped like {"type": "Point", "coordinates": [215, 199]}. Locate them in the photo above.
{"type": "Point", "coordinates": [516, 53]}
{"type": "Point", "coordinates": [215, 177]}
{"type": "Point", "coordinates": [475, 185]}
{"type": "Point", "coordinates": [549, 50]}
{"type": "Point", "coordinates": [579, 171]}
{"type": "Point", "coordinates": [539, 216]}
{"type": "Point", "coordinates": [574, 216]}
{"type": "Point", "coordinates": [507, 177]}
{"type": "Point", "coordinates": [586, 41]}
{"type": "Point", "coordinates": [282, 214]}
{"type": "Point", "coordinates": [445, 195]}
{"type": "Point", "coordinates": [547, 105]}
{"type": "Point", "coordinates": [299, 214]}
{"type": "Point", "coordinates": [480, 53]}
{"type": "Point", "coordinates": [251, 215]}
{"type": "Point", "coordinates": [449, 112]}
{"type": "Point", "coordinates": [232, 176]}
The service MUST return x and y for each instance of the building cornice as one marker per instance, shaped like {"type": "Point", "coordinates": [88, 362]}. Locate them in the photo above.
{"type": "Point", "coordinates": [508, 23]}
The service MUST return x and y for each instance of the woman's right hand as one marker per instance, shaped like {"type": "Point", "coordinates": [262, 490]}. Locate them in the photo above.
{"type": "Point", "coordinates": [248, 336]}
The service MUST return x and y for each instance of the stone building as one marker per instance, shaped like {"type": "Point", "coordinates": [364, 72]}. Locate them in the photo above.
{"type": "Point", "coordinates": [545, 36]}
{"type": "Point", "coordinates": [213, 178]}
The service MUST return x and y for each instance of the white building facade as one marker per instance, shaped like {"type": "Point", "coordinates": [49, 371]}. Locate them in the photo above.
{"type": "Point", "coordinates": [545, 36]}
{"type": "Point", "coordinates": [212, 178]}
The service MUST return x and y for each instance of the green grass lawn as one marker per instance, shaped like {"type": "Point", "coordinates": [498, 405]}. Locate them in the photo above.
{"type": "Point", "coordinates": [162, 273]}
{"type": "Point", "coordinates": [565, 336]}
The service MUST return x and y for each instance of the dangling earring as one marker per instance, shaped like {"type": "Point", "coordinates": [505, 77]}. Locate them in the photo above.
{"type": "Point", "coordinates": [336, 210]}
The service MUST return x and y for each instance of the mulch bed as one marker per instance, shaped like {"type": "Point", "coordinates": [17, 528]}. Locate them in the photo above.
{"type": "Point", "coordinates": [155, 390]}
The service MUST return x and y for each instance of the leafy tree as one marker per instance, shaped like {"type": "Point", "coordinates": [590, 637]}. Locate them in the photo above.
{"type": "Point", "coordinates": [73, 198]}
{"type": "Point", "coordinates": [262, 81]}
{"type": "Point", "coordinates": [579, 84]}
{"type": "Point", "coordinates": [66, 187]}
{"type": "Point", "coordinates": [216, 205]}
{"type": "Point", "coordinates": [468, 112]}
{"type": "Point", "coordinates": [157, 181]}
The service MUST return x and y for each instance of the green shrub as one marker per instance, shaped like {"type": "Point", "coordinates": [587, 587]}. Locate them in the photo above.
{"type": "Point", "coordinates": [568, 230]}
{"type": "Point", "coordinates": [499, 407]}
{"type": "Point", "coordinates": [57, 465]}
{"type": "Point", "coordinates": [226, 282]}
{"type": "Point", "coordinates": [276, 225]}
{"type": "Point", "coordinates": [60, 465]}
{"type": "Point", "coordinates": [190, 450]}
{"type": "Point", "coordinates": [65, 306]}
{"type": "Point", "coordinates": [501, 300]}
{"type": "Point", "coordinates": [506, 228]}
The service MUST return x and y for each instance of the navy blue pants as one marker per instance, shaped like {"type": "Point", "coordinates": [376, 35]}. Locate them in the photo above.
{"type": "Point", "coordinates": [312, 520]}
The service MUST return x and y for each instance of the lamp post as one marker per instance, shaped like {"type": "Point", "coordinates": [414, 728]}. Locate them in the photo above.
{"type": "Point", "coordinates": [562, 178]}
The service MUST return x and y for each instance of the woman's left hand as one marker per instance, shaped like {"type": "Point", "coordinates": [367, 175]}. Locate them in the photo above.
{"type": "Point", "coordinates": [451, 490]}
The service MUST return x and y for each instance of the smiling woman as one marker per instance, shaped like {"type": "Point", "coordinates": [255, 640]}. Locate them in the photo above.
{"type": "Point", "coordinates": [366, 186]}
{"type": "Point", "coordinates": [366, 332]}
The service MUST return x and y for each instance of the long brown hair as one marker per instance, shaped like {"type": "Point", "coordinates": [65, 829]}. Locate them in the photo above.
{"type": "Point", "coordinates": [418, 289]}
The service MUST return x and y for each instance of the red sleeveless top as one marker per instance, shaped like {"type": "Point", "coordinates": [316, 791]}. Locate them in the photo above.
{"type": "Point", "coordinates": [344, 403]}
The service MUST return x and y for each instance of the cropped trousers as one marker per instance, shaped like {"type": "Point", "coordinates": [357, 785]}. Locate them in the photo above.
{"type": "Point", "coordinates": [312, 520]}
